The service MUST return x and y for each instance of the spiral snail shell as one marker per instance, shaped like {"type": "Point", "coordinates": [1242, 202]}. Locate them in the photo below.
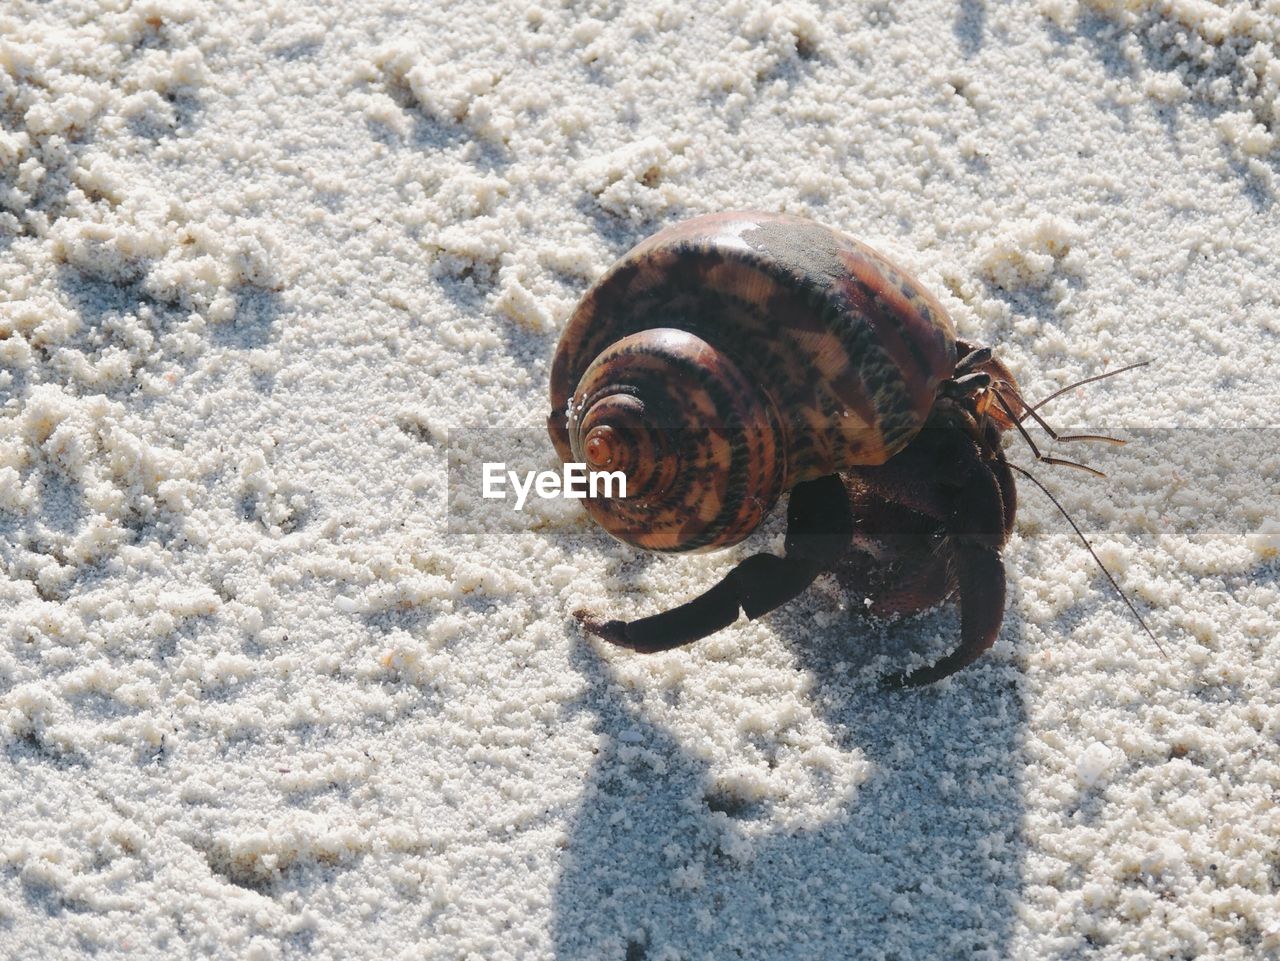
{"type": "Point", "coordinates": [728, 358]}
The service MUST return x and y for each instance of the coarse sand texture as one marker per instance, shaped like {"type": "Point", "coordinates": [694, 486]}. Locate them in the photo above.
{"type": "Point", "coordinates": [277, 681]}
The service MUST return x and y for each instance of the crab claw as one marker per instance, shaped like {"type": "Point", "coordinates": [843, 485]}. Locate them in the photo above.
{"type": "Point", "coordinates": [981, 582]}
{"type": "Point", "coordinates": [819, 525]}
{"type": "Point", "coordinates": [613, 631]}
{"type": "Point", "coordinates": [756, 586]}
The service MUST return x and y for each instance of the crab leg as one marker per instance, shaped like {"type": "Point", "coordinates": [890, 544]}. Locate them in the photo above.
{"type": "Point", "coordinates": [981, 576]}
{"type": "Point", "coordinates": [819, 528]}
{"type": "Point", "coordinates": [976, 525]}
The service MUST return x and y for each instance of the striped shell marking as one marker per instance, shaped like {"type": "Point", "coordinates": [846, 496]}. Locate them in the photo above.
{"type": "Point", "coordinates": [696, 440]}
{"type": "Point", "coordinates": [803, 348]}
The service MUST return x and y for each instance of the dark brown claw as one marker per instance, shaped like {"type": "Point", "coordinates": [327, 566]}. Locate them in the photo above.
{"type": "Point", "coordinates": [613, 631]}
{"type": "Point", "coordinates": [819, 526]}
{"type": "Point", "coordinates": [756, 586]}
{"type": "Point", "coordinates": [977, 515]}
{"type": "Point", "coordinates": [982, 585]}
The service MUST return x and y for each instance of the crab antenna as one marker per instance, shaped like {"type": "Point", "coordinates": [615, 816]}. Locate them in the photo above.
{"type": "Point", "coordinates": [1089, 547]}
{"type": "Point", "coordinates": [1032, 444]}
{"type": "Point", "coordinates": [1029, 411]}
{"type": "Point", "coordinates": [1081, 383]}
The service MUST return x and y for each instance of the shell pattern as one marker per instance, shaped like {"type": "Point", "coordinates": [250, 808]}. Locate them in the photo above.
{"type": "Point", "coordinates": [730, 357]}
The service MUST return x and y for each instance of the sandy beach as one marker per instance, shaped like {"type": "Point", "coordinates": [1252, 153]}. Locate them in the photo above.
{"type": "Point", "coordinates": [276, 681]}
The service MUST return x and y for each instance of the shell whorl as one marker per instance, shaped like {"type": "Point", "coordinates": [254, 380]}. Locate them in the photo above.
{"type": "Point", "coordinates": [843, 346]}
{"type": "Point", "coordinates": [700, 445]}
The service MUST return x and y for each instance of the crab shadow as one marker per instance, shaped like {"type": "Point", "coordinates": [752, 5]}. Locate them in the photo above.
{"type": "Point", "coordinates": [920, 858]}
{"type": "Point", "coordinates": [970, 27]}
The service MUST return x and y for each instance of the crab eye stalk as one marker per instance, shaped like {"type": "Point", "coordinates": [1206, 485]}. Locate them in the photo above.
{"type": "Point", "coordinates": [967, 385]}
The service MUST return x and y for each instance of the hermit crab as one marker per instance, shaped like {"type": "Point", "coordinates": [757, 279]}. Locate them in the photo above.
{"type": "Point", "coordinates": [736, 356]}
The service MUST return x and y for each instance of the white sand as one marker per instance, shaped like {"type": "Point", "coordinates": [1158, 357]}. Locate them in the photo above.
{"type": "Point", "coordinates": [259, 700]}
